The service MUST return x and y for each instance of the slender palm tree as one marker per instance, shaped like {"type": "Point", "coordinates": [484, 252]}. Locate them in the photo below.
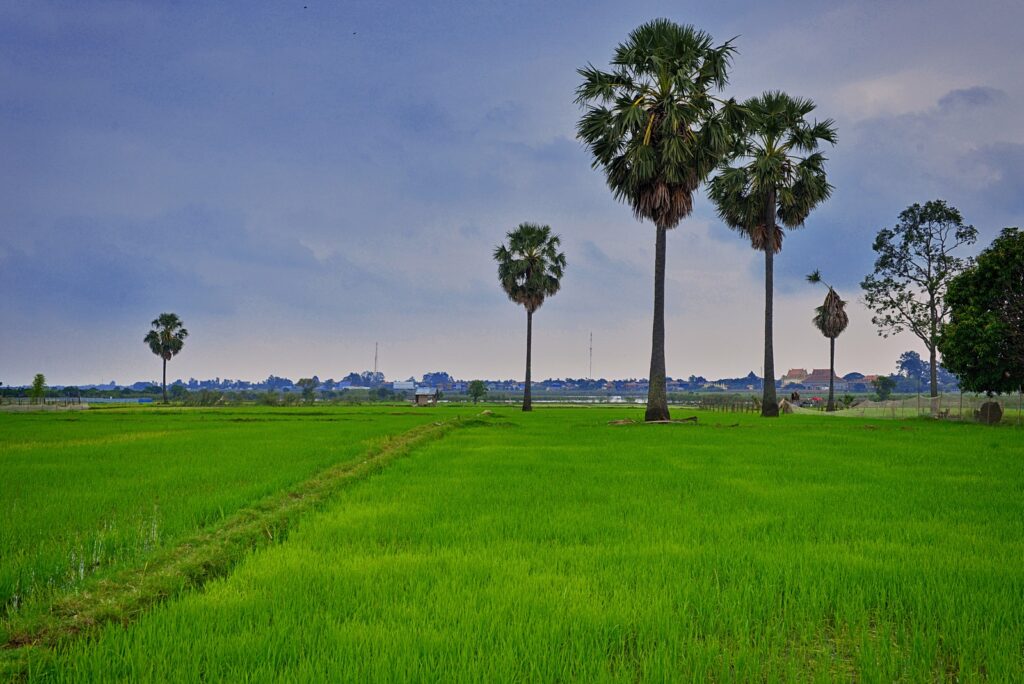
{"type": "Point", "coordinates": [656, 129]}
{"type": "Point", "coordinates": [831, 319]}
{"type": "Point", "coordinates": [775, 175]}
{"type": "Point", "coordinates": [165, 340]}
{"type": "Point", "coordinates": [530, 269]}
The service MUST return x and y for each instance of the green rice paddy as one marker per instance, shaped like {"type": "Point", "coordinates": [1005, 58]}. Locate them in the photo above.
{"type": "Point", "coordinates": [85, 492]}
{"type": "Point", "coordinates": [549, 546]}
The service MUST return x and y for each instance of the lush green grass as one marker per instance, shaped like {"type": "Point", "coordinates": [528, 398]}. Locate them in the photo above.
{"type": "Point", "coordinates": [556, 547]}
{"type": "Point", "coordinates": [84, 492]}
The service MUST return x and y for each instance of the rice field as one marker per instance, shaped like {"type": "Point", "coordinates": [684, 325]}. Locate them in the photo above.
{"type": "Point", "coordinates": [555, 546]}
{"type": "Point", "coordinates": [85, 492]}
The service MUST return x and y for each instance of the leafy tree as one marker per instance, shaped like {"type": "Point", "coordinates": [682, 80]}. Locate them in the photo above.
{"type": "Point", "coordinates": [777, 175]}
{"type": "Point", "coordinates": [477, 390]}
{"type": "Point", "coordinates": [530, 270]}
{"type": "Point", "coordinates": [178, 392]}
{"type": "Point", "coordinates": [911, 366]}
{"type": "Point", "coordinates": [656, 130]}
{"type": "Point", "coordinates": [884, 385]}
{"type": "Point", "coordinates": [38, 389]}
{"type": "Point", "coordinates": [166, 339]}
{"type": "Point", "coordinates": [308, 386]}
{"type": "Point", "coordinates": [983, 343]}
{"type": "Point", "coordinates": [831, 319]}
{"type": "Point", "coordinates": [915, 263]}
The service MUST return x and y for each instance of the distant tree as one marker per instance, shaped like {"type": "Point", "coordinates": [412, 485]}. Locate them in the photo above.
{"type": "Point", "coordinates": [477, 390]}
{"type": "Point", "coordinates": [38, 389]}
{"type": "Point", "coordinates": [777, 176]}
{"type": "Point", "coordinates": [178, 392]}
{"type": "Point", "coordinates": [983, 343]}
{"type": "Point", "coordinates": [275, 383]}
{"type": "Point", "coordinates": [165, 340]}
{"type": "Point", "coordinates": [530, 269]}
{"type": "Point", "coordinates": [884, 385]}
{"type": "Point", "coordinates": [655, 127]}
{"type": "Point", "coordinates": [915, 264]}
{"type": "Point", "coordinates": [308, 386]}
{"type": "Point", "coordinates": [831, 319]}
{"type": "Point", "coordinates": [438, 379]}
{"type": "Point", "coordinates": [911, 366]}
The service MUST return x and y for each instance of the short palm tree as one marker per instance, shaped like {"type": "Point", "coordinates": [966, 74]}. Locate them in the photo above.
{"type": "Point", "coordinates": [165, 340]}
{"type": "Point", "coordinates": [530, 269]}
{"type": "Point", "coordinates": [657, 131]}
{"type": "Point", "coordinates": [831, 319]}
{"type": "Point", "coordinates": [776, 174]}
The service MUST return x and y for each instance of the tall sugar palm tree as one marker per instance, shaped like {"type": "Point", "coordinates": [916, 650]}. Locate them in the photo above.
{"type": "Point", "coordinates": [831, 319]}
{"type": "Point", "coordinates": [530, 269]}
{"type": "Point", "coordinates": [165, 340]}
{"type": "Point", "coordinates": [656, 129]}
{"type": "Point", "coordinates": [775, 175]}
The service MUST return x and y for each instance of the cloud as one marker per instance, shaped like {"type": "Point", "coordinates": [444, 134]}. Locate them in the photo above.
{"type": "Point", "coordinates": [976, 96]}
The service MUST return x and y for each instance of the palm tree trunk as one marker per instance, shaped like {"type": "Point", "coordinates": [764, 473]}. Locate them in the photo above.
{"type": "Point", "coordinates": [527, 399]}
{"type": "Point", "coordinates": [831, 375]}
{"type": "Point", "coordinates": [657, 400]}
{"type": "Point", "coordinates": [165, 380]}
{"type": "Point", "coordinates": [769, 402]}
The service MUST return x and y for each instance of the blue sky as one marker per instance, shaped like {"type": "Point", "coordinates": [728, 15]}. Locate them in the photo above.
{"type": "Point", "coordinates": [298, 180]}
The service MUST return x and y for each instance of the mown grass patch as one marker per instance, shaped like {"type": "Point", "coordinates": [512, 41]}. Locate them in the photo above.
{"type": "Point", "coordinates": [562, 548]}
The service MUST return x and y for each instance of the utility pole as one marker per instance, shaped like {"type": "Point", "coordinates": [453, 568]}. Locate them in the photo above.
{"type": "Point", "coordinates": [590, 373]}
{"type": "Point", "coordinates": [375, 359]}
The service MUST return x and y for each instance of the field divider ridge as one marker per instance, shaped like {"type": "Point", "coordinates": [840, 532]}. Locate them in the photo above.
{"type": "Point", "coordinates": [125, 595]}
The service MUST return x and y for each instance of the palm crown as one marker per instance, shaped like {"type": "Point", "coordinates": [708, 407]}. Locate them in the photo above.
{"type": "Point", "coordinates": [530, 267]}
{"type": "Point", "coordinates": [776, 158]}
{"type": "Point", "coordinates": [167, 337]}
{"type": "Point", "coordinates": [830, 318]}
{"type": "Point", "coordinates": [652, 123]}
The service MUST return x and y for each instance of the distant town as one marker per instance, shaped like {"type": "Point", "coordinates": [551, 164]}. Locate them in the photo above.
{"type": "Point", "coordinates": [912, 376]}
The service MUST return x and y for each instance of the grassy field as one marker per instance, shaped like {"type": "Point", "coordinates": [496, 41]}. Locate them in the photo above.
{"type": "Point", "coordinates": [555, 546]}
{"type": "Point", "coordinates": [84, 492]}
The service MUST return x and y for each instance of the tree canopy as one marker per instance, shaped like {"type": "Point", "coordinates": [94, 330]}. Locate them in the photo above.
{"type": "Point", "coordinates": [776, 173]}
{"type": "Point", "coordinates": [983, 343]}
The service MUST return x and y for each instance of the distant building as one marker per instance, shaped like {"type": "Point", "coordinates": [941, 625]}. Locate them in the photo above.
{"type": "Point", "coordinates": [426, 396]}
{"type": "Point", "coordinates": [818, 380]}
{"type": "Point", "coordinates": [404, 385]}
{"type": "Point", "coordinates": [795, 376]}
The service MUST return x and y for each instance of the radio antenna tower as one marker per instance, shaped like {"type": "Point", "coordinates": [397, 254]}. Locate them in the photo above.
{"type": "Point", "coordinates": [590, 373]}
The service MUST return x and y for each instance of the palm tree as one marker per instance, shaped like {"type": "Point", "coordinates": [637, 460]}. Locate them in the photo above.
{"type": "Point", "coordinates": [771, 183]}
{"type": "Point", "coordinates": [655, 128]}
{"type": "Point", "coordinates": [165, 340]}
{"type": "Point", "coordinates": [530, 269]}
{"type": "Point", "coordinates": [831, 319]}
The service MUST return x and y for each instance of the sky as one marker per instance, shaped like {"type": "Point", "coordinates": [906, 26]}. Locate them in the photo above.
{"type": "Point", "coordinates": [299, 180]}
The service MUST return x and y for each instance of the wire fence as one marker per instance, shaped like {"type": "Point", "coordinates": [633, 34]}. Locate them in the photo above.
{"type": "Point", "coordinates": [950, 406]}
